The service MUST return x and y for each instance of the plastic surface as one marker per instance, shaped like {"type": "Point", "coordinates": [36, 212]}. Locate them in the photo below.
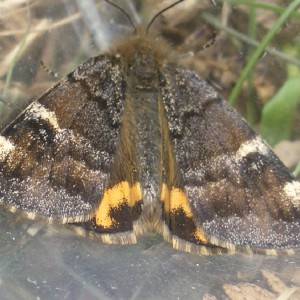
{"type": "Point", "coordinates": [41, 261]}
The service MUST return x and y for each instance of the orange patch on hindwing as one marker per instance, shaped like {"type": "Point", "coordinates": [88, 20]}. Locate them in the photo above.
{"type": "Point", "coordinates": [177, 207]}
{"type": "Point", "coordinates": [120, 195]}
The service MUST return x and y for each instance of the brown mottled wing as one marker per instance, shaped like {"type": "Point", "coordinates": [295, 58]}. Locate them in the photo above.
{"type": "Point", "coordinates": [55, 158]}
{"type": "Point", "coordinates": [240, 193]}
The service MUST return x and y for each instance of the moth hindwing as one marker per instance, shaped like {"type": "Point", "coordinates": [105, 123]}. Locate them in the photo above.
{"type": "Point", "coordinates": [130, 142]}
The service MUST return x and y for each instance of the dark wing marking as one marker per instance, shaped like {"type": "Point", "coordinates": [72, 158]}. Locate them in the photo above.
{"type": "Point", "coordinates": [55, 158]}
{"type": "Point", "coordinates": [239, 191]}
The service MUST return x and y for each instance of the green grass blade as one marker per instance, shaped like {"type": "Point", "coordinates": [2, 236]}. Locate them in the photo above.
{"type": "Point", "coordinates": [260, 50]}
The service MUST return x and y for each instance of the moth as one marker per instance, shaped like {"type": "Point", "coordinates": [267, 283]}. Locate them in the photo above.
{"type": "Point", "coordinates": [130, 141]}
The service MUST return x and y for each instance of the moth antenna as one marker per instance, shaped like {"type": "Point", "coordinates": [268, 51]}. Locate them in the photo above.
{"type": "Point", "coordinates": [161, 12]}
{"type": "Point", "coordinates": [211, 41]}
{"type": "Point", "coordinates": [54, 74]}
{"type": "Point", "coordinates": [123, 11]}
{"type": "Point", "coordinates": [208, 44]}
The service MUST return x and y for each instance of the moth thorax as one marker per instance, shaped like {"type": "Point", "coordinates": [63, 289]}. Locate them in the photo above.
{"type": "Point", "coordinates": [142, 70]}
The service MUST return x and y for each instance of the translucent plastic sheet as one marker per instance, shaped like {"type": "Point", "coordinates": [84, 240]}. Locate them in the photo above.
{"type": "Point", "coordinates": [56, 264]}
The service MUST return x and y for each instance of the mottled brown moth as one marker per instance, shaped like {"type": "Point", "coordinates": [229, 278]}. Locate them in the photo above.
{"type": "Point", "coordinates": [130, 141]}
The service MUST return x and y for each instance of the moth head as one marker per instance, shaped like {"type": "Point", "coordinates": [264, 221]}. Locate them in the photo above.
{"type": "Point", "coordinates": [141, 67]}
{"type": "Point", "coordinates": [143, 55]}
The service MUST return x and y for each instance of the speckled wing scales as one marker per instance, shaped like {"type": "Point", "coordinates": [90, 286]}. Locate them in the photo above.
{"type": "Point", "coordinates": [55, 158]}
{"type": "Point", "coordinates": [239, 193]}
